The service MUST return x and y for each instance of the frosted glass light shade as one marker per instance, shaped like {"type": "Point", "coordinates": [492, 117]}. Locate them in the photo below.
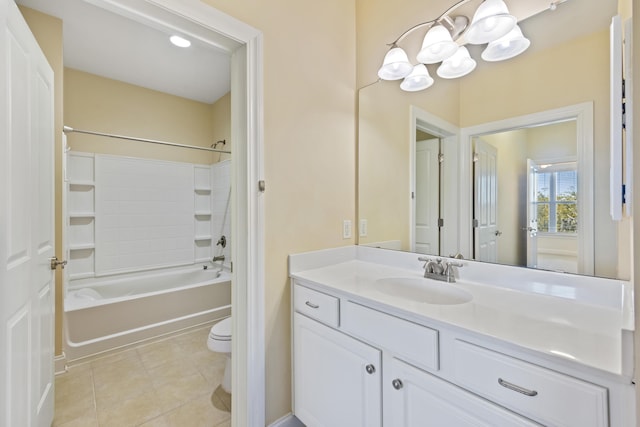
{"type": "Point", "coordinates": [395, 66]}
{"type": "Point", "coordinates": [460, 64]}
{"type": "Point", "coordinates": [419, 79]}
{"type": "Point", "coordinates": [508, 46]}
{"type": "Point", "coordinates": [436, 46]}
{"type": "Point", "coordinates": [490, 22]}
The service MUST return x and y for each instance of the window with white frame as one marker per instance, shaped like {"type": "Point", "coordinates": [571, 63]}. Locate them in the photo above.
{"type": "Point", "coordinates": [557, 198]}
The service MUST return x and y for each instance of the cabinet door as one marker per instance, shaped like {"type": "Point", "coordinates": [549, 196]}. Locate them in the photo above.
{"type": "Point", "coordinates": [415, 398]}
{"type": "Point", "coordinates": [337, 379]}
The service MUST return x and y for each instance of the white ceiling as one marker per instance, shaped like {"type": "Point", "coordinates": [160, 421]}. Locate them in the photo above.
{"type": "Point", "coordinates": [103, 43]}
{"type": "Point", "coordinates": [100, 42]}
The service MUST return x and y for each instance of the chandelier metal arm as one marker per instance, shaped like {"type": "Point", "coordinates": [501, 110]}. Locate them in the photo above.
{"type": "Point", "coordinates": [424, 24]}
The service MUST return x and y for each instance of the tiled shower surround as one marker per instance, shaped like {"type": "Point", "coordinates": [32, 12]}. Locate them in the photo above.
{"type": "Point", "coordinates": [128, 214]}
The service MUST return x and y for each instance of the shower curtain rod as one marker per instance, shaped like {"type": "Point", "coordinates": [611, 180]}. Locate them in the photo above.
{"type": "Point", "coordinates": [69, 129]}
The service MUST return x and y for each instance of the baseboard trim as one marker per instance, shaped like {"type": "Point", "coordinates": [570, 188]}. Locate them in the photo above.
{"type": "Point", "coordinates": [288, 420]}
{"type": "Point", "coordinates": [60, 364]}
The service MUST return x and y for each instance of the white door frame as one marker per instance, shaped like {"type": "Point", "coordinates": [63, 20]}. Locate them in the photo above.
{"type": "Point", "coordinates": [420, 119]}
{"type": "Point", "coordinates": [583, 115]}
{"type": "Point", "coordinates": [245, 46]}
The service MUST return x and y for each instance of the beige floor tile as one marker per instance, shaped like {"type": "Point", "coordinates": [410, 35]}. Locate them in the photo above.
{"type": "Point", "coordinates": [130, 412]}
{"type": "Point", "coordinates": [158, 353]}
{"type": "Point", "coordinates": [213, 372]}
{"type": "Point", "coordinates": [170, 371]}
{"type": "Point", "coordinates": [178, 392]}
{"type": "Point", "coordinates": [224, 424]}
{"type": "Point", "coordinates": [160, 421]}
{"type": "Point", "coordinates": [71, 407]}
{"type": "Point", "coordinates": [119, 367]}
{"type": "Point", "coordinates": [113, 390]}
{"type": "Point", "coordinates": [197, 413]}
{"type": "Point", "coordinates": [113, 357]}
{"type": "Point", "coordinates": [80, 384]}
{"type": "Point", "coordinates": [85, 421]}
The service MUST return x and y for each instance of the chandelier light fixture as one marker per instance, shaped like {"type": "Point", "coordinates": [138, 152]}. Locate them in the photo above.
{"type": "Point", "coordinates": [445, 40]}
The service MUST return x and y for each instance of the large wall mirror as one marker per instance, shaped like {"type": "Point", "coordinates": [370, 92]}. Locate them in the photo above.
{"type": "Point", "coordinates": [509, 164]}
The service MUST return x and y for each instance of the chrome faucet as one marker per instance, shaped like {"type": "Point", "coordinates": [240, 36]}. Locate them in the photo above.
{"type": "Point", "coordinates": [218, 258]}
{"type": "Point", "coordinates": [438, 269]}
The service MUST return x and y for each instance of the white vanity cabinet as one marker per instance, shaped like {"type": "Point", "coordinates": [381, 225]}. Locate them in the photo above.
{"type": "Point", "coordinates": [356, 365]}
{"type": "Point", "coordinates": [415, 398]}
{"type": "Point", "coordinates": [337, 379]}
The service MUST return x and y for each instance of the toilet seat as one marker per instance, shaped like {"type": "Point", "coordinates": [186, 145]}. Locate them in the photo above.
{"type": "Point", "coordinates": [221, 330]}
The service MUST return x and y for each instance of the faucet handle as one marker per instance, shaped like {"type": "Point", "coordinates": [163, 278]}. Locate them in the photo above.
{"type": "Point", "coordinates": [425, 260]}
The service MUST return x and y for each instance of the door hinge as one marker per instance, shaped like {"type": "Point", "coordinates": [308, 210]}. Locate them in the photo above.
{"type": "Point", "coordinates": [440, 157]}
{"type": "Point", "coordinates": [474, 223]}
{"type": "Point", "coordinates": [475, 157]}
{"type": "Point", "coordinates": [413, 195]}
{"type": "Point", "coordinates": [624, 104]}
{"type": "Point", "coordinates": [440, 222]}
{"type": "Point", "coordinates": [261, 186]}
{"type": "Point", "coordinates": [54, 263]}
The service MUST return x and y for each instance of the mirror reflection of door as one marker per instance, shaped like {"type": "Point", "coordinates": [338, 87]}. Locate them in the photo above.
{"type": "Point", "coordinates": [531, 227]}
{"type": "Point", "coordinates": [427, 205]}
{"type": "Point", "coordinates": [554, 205]}
{"type": "Point", "coordinates": [485, 208]}
{"type": "Point", "coordinates": [536, 221]}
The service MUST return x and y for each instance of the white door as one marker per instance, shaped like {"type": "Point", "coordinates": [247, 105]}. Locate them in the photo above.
{"type": "Point", "coordinates": [532, 215]}
{"type": "Point", "coordinates": [27, 236]}
{"type": "Point", "coordinates": [414, 398]}
{"type": "Point", "coordinates": [336, 379]}
{"type": "Point", "coordinates": [485, 191]}
{"type": "Point", "coordinates": [427, 197]}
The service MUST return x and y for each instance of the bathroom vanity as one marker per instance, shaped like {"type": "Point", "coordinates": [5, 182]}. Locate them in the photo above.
{"type": "Point", "coordinates": [376, 344]}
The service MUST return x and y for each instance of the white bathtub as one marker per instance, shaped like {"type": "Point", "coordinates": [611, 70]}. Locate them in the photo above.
{"type": "Point", "coordinates": [104, 314]}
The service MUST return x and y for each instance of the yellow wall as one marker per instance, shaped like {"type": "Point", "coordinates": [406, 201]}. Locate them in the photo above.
{"type": "Point", "coordinates": [221, 121]}
{"type": "Point", "coordinates": [48, 32]}
{"type": "Point", "coordinates": [99, 104]}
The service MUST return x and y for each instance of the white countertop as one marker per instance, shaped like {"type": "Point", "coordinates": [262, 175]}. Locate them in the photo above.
{"type": "Point", "coordinates": [576, 318]}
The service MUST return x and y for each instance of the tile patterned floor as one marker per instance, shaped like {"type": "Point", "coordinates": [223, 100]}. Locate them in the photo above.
{"type": "Point", "coordinates": [168, 383]}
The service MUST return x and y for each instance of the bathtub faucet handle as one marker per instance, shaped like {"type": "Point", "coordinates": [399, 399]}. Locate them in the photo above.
{"type": "Point", "coordinates": [222, 241]}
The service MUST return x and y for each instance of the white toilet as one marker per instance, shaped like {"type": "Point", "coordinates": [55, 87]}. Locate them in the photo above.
{"type": "Point", "coordinates": [220, 342]}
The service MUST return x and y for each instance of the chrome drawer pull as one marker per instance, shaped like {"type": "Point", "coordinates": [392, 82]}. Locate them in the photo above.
{"type": "Point", "coordinates": [370, 369]}
{"type": "Point", "coordinates": [312, 305]}
{"type": "Point", "coordinates": [517, 388]}
{"type": "Point", "coordinates": [397, 384]}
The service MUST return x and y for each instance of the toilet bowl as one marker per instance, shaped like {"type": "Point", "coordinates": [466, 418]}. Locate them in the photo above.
{"type": "Point", "coordinates": [220, 342]}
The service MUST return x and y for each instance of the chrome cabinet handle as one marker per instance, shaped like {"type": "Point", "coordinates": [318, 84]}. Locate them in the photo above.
{"type": "Point", "coordinates": [370, 369]}
{"type": "Point", "coordinates": [312, 305]}
{"type": "Point", "coordinates": [397, 384]}
{"type": "Point", "coordinates": [517, 388]}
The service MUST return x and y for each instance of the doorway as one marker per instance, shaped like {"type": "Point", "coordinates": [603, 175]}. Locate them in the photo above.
{"type": "Point", "coordinates": [244, 45]}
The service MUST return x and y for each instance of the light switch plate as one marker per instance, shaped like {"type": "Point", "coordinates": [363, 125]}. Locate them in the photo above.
{"type": "Point", "coordinates": [346, 229]}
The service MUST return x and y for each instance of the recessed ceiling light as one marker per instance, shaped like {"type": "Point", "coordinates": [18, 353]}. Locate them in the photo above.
{"type": "Point", "coordinates": [180, 41]}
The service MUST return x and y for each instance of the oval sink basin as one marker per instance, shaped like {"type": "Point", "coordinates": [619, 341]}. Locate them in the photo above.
{"type": "Point", "coordinates": [422, 290]}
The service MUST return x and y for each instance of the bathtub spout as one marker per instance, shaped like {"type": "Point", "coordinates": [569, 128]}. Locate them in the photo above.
{"type": "Point", "coordinates": [218, 258]}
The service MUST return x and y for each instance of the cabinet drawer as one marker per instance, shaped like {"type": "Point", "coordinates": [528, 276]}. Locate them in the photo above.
{"type": "Point", "coordinates": [538, 393]}
{"type": "Point", "coordinates": [317, 305]}
{"type": "Point", "coordinates": [414, 343]}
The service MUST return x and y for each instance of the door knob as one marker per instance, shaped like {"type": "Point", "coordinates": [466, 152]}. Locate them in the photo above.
{"type": "Point", "coordinates": [370, 369]}
{"type": "Point", "coordinates": [55, 263]}
{"type": "Point", "coordinates": [498, 233]}
{"type": "Point", "coordinates": [397, 384]}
